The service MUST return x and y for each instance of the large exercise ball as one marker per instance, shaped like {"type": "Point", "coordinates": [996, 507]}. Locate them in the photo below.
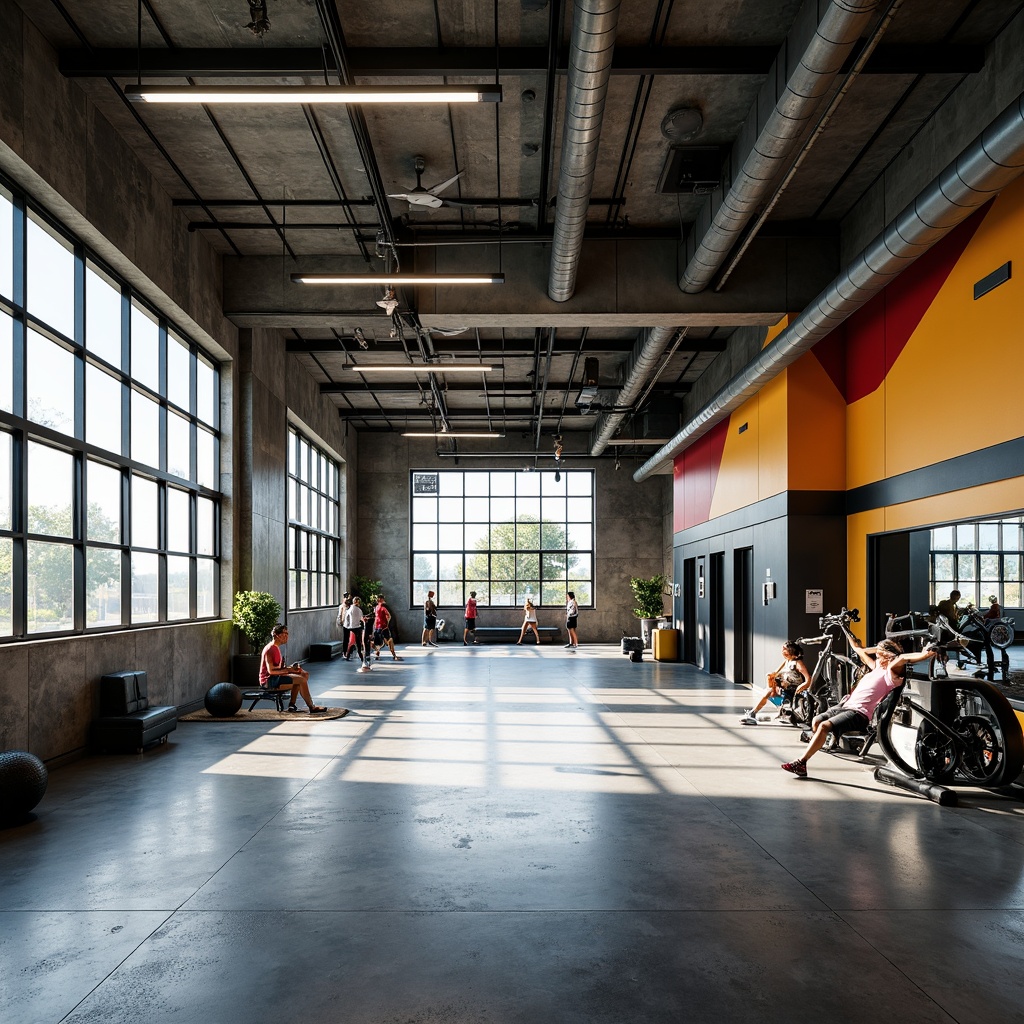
{"type": "Point", "coordinates": [223, 700]}
{"type": "Point", "coordinates": [23, 780]}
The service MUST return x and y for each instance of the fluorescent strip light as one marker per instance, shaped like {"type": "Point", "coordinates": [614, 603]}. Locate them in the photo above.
{"type": "Point", "coordinates": [397, 279]}
{"type": "Point", "coordinates": [312, 94]}
{"type": "Point", "coordinates": [450, 433]}
{"type": "Point", "coordinates": [418, 367]}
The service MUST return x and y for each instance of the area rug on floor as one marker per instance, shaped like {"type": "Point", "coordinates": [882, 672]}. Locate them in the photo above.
{"type": "Point", "coordinates": [265, 715]}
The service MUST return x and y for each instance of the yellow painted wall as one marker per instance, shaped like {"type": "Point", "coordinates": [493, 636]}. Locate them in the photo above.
{"type": "Point", "coordinates": [956, 386]}
{"type": "Point", "coordinates": [817, 428]}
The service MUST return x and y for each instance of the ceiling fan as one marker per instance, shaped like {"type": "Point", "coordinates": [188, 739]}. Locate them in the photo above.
{"type": "Point", "coordinates": [421, 198]}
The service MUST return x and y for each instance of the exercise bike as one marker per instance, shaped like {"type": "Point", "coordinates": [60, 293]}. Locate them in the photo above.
{"type": "Point", "coordinates": [970, 735]}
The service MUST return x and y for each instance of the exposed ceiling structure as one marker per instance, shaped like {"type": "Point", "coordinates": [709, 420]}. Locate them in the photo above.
{"type": "Point", "coordinates": [658, 176]}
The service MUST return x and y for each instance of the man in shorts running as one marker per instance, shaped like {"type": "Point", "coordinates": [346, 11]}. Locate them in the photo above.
{"type": "Point", "coordinates": [853, 714]}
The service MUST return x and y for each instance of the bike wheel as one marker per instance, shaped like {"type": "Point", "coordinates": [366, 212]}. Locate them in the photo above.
{"type": "Point", "coordinates": [936, 754]}
{"type": "Point", "coordinates": [1001, 635]}
{"type": "Point", "coordinates": [995, 711]}
{"type": "Point", "coordinates": [983, 754]}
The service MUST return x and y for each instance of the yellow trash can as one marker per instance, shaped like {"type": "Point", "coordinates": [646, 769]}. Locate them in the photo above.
{"type": "Point", "coordinates": [666, 644]}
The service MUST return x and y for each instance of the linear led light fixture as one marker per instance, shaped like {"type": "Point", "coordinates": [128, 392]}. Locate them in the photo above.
{"type": "Point", "coordinates": [316, 94]}
{"type": "Point", "coordinates": [418, 367]}
{"type": "Point", "coordinates": [451, 433]}
{"type": "Point", "coordinates": [394, 280]}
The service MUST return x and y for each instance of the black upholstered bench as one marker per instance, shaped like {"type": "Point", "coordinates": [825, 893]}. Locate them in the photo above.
{"type": "Point", "coordinates": [127, 722]}
{"type": "Point", "coordinates": [498, 633]}
{"type": "Point", "coordinates": [325, 650]}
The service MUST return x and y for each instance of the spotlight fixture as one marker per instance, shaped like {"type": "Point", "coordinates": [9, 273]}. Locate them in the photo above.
{"type": "Point", "coordinates": [394, 280]}
{"type": "Point", "coordinates": [418, 367]}
{"type": "Point", "coordinates": [357, 333]}
{"type": "Point", "coordinates": [316, 94]}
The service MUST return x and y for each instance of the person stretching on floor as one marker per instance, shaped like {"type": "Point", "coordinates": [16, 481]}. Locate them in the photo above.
{"type": "Point", "coordinates": [272, 666]}
{"type": "Point", "coordinates": [792, 672]}
{"type": "Point", "coordinates": [888, 668]}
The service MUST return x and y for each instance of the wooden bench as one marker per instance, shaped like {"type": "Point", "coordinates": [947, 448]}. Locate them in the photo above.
{"type": "Point", "coordinates": [325, 650]}
{"type": "Point", "coordinates": [499, 633]}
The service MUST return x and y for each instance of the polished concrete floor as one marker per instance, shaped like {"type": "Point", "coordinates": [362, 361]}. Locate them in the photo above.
{"type": "Point", "coordinates": [500, 835]}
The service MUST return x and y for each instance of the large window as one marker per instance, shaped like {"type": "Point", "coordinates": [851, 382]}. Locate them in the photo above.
{"type": "Point", "coordinates": [506, 535]}
{"type": "Point", "coordinates": [313, 525]}
{"type": "Point", "coordinates": [982, 560]}
{"type": "Point", "coordinates": [109, 441]}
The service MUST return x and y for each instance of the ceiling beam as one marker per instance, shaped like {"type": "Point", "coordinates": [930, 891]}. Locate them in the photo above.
{"type": "Point", "coordinates": [411, 61]}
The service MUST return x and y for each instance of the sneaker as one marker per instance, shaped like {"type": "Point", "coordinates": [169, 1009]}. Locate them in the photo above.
{"type": "Point", "coordinates": [748, 719]}
{"type": "Point", "coordinates": [567, 645]}
{"type": "Point", "coordinates": [365, 667]}
{"type": "Point", "coordinates": [397, 658]}
{"type": "Point", "coordinates": [377, 653]}
{"type": "Point", "coordinates": [465, 643]}
{"type": "Point", "coordinates": [798, 768]}
{"type": "Point", "coordinates": [433, 645]}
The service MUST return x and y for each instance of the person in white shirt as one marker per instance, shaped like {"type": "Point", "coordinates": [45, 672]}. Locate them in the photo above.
{"type": "Point", "coordinates": [354, 624]}
{"type": "Point", "coordinates": [572, 612]}
{"type": "Point", "coordinates": [529, 621]}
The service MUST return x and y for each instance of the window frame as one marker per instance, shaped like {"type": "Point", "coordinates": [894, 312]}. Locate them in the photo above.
{"type": "Point", "coordinates": [314, 547]}
{"type": "Point", "coordinates": [88, 552]}
{"type": "Point", "coordinates": [536, 490]}
{"type": "Point", "coordinates": [976, 589]}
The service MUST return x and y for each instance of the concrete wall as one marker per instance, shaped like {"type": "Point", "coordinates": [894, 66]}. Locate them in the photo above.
{"type": "Point", "coordinates": [275, 391]}
{"type": "Point", "coordinates": [71, 162]}
{"type": "Point", "coordinates": [632, 537]}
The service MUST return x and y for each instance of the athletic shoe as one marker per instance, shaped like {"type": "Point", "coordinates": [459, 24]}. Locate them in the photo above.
{"type": "Point", "coordinates": [464, 643]}
{"type": "Point", "coordinates": [798, 768]}
{"type": "Point", "coordinates": [748, 720]}
{"type": "Point", "coordinates": [397, 658]}
{"type": "Point", "coordinates": [377, 653]}
{"type": "Point", "coordinates": [433, 645]}
{"type": "Point", "coordinates": [567, 645]}
{"type": "Point", "coordinates": [363, 668]}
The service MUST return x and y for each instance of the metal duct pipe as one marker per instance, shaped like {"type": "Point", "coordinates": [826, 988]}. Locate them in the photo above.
{"type": "Point", "coordinates": [653, 342]}
{"type": "Point", "coordinates": [594, 27]}
{"type": "Point", "coordinates": [988, 165]}
{"type": "Point", "coordinates": [835, 36]}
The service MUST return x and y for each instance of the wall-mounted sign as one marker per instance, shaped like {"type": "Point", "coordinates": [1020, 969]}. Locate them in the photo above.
{"type": "Point", "coordinates": [424, 483]}
{"type": "Point", "coordinates": [814, 601]}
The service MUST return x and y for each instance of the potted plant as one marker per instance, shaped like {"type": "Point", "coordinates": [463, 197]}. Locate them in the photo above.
{"type": "Point", "coordinates": [648, 595]}
{"type": "Point", "coordinates": [255, 613]}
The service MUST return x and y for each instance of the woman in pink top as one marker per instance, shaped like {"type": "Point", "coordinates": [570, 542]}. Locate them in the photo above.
{"type": "Point", "coordinates": [854, 712]}
{"type": "Point", "coordinates": [276, 675]}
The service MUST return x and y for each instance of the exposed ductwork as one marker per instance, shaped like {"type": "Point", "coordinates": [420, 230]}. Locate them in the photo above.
{"type": "Point", "coordinates": [989, 164]}
{"type": "Point", "coordinates": [652, 344]}
{"type": "Point", "coordinates": [594, 27]}
{"type": "Point", "coordinates": [835, 36]}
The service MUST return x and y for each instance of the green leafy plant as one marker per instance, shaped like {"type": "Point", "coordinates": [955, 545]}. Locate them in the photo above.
{"type": "Point", "coordinates": [255, 613]}
{"type": "Point", "coordinates": [648, 594]}
{"type": "Point", "coordinates": [365, 586]}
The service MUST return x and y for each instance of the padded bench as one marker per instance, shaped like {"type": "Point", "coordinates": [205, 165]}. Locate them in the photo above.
{"type": "Point", "coordinates": [512, 633]}
{"type": "Point", "coordinates": [325, 650]}
{"type": "Point", "coordinates": [127, 722]}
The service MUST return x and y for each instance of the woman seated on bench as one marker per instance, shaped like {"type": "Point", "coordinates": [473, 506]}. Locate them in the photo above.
{"type": "Point", "coordinates": [272, 665]}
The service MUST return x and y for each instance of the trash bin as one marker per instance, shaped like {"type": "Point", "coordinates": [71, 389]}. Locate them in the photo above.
{"type": "Point", "coordinates": [666, 644]}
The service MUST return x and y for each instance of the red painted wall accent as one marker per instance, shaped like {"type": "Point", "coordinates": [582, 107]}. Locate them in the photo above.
{"type": "Point", "coordinates": [695, 473]}
{"type": "Point", "coordinates": [877, 333]}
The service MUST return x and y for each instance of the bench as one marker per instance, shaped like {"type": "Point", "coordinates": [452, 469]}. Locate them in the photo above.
{"type": "Point", "coordinates": [325, 650]}
{"type": "Point", "coordinates": [265, 693]}
{"type": "Point", "coordinates": [127, 722]}
{"type": "Point", "coordinates": [512, 633]}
